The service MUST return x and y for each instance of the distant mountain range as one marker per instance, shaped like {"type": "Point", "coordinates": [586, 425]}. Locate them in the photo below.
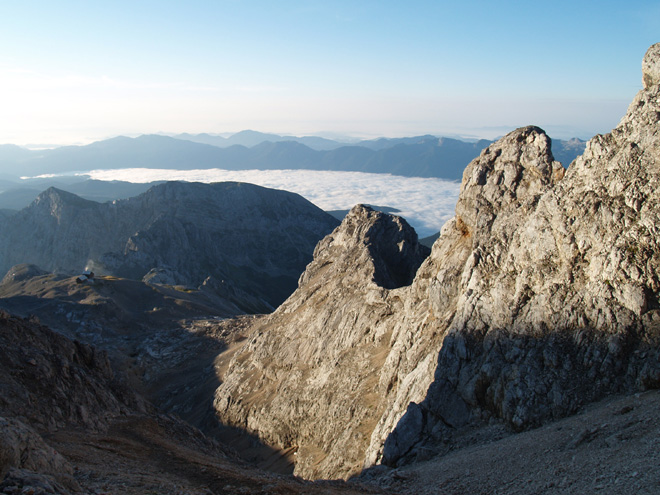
{"type": "Point", "coordinates": [249, 138]}
{"type": "Point", "coordinates": [420, 156]}
{"type": "Point", "coordinates": [16, 196]}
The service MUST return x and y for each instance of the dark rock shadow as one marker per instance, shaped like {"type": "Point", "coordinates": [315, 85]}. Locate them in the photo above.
{"type": "Point", "coordinates": [172, 368]}
{"type": "Point", "coordinates": [520, 382]}
{"type": "Point", "coordinates": [393, 247]}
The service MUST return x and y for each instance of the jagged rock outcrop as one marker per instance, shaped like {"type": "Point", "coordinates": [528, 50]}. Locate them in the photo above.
{"type": "Point", "coordinates": [68, 425]}
{"type": "Point", "coordinates": [539, 296]}
{"type": "Point", "coordinates": [651, 67]}
{"type": "Point", "coordinates": [48, 382]}
{"type": "Point", "coordinates": [251, 239]}
{"type": "Point", "coordinates": [305, 380]}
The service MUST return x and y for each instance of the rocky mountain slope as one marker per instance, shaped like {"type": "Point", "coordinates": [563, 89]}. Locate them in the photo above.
{"type": "Point", "coordinates": [69, 423]}
{"type": "Point", "coordinates": [608, 448]}
{"type": "Point", "coordinates": [540, 296]}
{"type": "Point", "coordinates": [245, 243]}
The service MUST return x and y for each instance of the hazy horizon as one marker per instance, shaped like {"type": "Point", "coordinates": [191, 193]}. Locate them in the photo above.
{"type": "Point", "coordinates": [74, 73]}
{"type": "Point", "coordinates": [345, 138]}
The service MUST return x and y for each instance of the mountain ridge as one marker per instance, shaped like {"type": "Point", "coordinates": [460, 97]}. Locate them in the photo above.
{"type": "Point", "coordinates": [538, 297]}
{"type": "Point", "coordinates": [189, 232]}
{"type": "Point", "coordinates": [410, 371]}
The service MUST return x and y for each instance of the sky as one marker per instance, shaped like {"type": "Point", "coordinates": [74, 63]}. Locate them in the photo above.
{"type": "Point", "coordinates": [75, 72]}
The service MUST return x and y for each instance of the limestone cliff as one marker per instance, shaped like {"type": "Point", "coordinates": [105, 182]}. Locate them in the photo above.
{"type": "Point", "coordinates": [307, 379]}
{"type": "Point", "coordinates": [539, 296]}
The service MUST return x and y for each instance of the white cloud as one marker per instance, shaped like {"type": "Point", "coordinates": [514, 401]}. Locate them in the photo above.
{"type": "Point", "coordinates": [425, 203]}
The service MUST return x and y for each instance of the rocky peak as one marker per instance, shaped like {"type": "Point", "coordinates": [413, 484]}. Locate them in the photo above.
{"type": "Point", "coordinates": [557, 305]}
{"type": "Point", "coordinates": [311, 359]}
{"type": "Point", "coordinates": [384, 247]}
{"type": "Point", "coordinates": [541, 295]}
{"type": "Point", "coordinates": [56, 196]}
{"type": "Point", "coordinates": [254, 238]}
{"type": "Point", "coordinates": [54, 201]}
{"type": "Point", "coordinates": [651, 67]}
{"type": "Point", "coordinates": [511, 173]}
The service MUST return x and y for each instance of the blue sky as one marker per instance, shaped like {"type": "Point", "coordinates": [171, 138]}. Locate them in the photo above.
{"type": "Point", "coordinates": [73, 72]}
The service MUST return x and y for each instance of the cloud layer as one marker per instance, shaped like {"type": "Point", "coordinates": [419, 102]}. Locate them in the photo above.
{"type": "Point", "coordinates": [426, 203]}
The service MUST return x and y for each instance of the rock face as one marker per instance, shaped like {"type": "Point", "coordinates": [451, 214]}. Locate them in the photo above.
{"type": "Point", "coordinates": [68, 424]}
{"type": "Point", "coordinates": [23, 454]}
{"type": "Point", "coordinates": [249, 242]}
{"type": "Point", "coordinates": [651, 67]}
{"type": "Point", "coordinates": [539, 296]}
{"type": "Point", "coordinates": [306, 379]}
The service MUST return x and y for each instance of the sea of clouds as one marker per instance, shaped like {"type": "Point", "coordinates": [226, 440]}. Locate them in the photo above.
{"type": "Point", "coordinates": [426, 203]}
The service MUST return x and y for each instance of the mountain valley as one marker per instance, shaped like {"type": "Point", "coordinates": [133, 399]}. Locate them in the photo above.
{"type": "Point", "coordinates": [237, 339]}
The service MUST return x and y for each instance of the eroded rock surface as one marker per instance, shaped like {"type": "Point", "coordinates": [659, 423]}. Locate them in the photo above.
{"type": "Point", "coordinates": [25, 459]}
{"type": "Point", "coordinates": [539, 296]}
{"type": "Point", "coordinates": [307, 378]}
{"type": "Point", "coordinates": [49, 381]}
{"type": "Point", "coordinates": [651, 67]}
{"type": "Point", "coordinates": [68, 424]}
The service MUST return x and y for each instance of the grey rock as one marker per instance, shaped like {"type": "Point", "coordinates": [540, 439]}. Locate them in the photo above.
{"type": "Point", "coordinates": [651, 67]}
{"type": "Point", "coordinates": [539, 296]}
{"type": "Point", "coordinates": [26, 482]}
{"type": "Point", "coordinates": [408, 431]}
{"type": "Point", "coordinates": [553, 306]}
{"type": "Point", "coordinates": [49, 381]}
{"type": "Point", "coordinates": [316, 360]}
{"type": "Point", "coordinates": [257, 239]}
{"type": "Point", "coordinates": [162, 275]}
{"type": "Point", "coordinates": [22, 448]}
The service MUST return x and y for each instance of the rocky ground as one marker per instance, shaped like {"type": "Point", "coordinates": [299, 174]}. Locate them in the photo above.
{"type": "Point", "coordinates": [612, 447]}
{"type": "Point", "coordinates": [540, 296]}
{"type": "Point", "coordinates": [70, 423]}
{"type": "Point", "coordinates": [139, 455]}
{"type": "Point", "coordinates": [609, 447]}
